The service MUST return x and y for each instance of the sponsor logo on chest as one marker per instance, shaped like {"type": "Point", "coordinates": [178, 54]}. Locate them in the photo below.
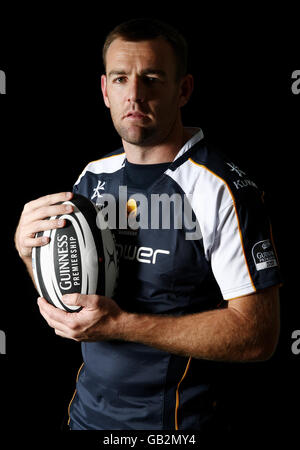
{"type": "Point", "coordinates": [146, 255]}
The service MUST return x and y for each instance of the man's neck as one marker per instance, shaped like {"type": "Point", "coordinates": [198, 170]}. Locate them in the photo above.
{"type": "Point", "coordinates": [163, 152]}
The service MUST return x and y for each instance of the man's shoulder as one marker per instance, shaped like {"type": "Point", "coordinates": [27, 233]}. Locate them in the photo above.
{"type": "Point", "coordinates": [108, 163]}
{"type": "Point", "coordinates": [223, 168]}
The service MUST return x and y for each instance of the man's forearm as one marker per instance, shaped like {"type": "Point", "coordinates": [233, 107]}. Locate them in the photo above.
{"type": "Point", "coordinates": [221, 335]}
{"type": "Point", "coordinates": [28, 263]}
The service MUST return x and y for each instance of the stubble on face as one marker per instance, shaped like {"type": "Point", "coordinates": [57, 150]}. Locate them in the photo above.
{"type": "Point", "coordinates": [136, 134]}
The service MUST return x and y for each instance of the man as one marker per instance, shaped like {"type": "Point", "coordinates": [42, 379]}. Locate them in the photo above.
{"type": "Point", "coordinates": [182, 300]}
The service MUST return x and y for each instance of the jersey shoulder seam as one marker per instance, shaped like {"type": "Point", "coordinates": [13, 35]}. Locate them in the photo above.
{"type": "Point", "coordinates": [118, 152]}
{"type": "Point", "coordinates": [99, 164]}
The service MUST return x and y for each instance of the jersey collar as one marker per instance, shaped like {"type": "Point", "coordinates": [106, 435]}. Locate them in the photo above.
{"type": "Point", "coordinates": [196, 137]}
{"type": "Point", "coordinates": [189, 148]}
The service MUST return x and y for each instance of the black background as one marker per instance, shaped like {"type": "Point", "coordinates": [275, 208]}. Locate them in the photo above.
{"type": "Point", "coordinates": [53, 122]}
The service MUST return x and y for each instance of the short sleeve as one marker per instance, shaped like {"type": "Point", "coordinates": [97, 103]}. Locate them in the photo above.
{"type": "Point", "coordinates": [243, 256]}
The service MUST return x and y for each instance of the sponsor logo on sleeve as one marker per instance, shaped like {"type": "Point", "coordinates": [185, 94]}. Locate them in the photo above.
{"type": "Point", "coordinates": [264, 255]}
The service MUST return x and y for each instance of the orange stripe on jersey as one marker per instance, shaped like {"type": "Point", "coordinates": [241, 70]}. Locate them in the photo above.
{"type": "Point", "coordinates": [177, 392]}
{"type": "Point", "coordinates": [74, 393]}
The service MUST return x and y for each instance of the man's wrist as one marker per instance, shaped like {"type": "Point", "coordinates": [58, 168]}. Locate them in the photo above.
{"type": "Point", "coordinates": [137, 327]}
{"type": "Point", "coordinates": [125, 324]}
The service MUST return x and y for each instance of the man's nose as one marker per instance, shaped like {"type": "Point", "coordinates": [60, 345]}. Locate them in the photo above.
{"type": "Point", "coordinates": [136, 91]}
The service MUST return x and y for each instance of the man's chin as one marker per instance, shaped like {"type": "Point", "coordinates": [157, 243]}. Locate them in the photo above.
{"type": "Point", "coordinates": [141, 136]}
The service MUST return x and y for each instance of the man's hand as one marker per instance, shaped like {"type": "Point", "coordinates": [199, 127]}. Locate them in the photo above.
{"type": "Point", "coordinates": [34, 219]}
{"type": "Point", "coordinates": [99, 319]}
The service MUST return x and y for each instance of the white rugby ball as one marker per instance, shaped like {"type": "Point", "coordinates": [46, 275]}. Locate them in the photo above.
{"type": "Point", "coordinates": [80, 257]}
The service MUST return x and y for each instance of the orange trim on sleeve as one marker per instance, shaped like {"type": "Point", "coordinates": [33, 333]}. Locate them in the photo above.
{"type": "Point", "coordinates": [236, 214]}
{"type": "Point", "coordinates": [177, 392]}
{"type": "Point", "coordinates": [240, 296]}
{"type": "Point", "coordinates": [278, 285]}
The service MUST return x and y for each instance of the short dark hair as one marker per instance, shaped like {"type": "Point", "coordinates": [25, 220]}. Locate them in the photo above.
{"type": "Point", "coordinates": [142, 29]}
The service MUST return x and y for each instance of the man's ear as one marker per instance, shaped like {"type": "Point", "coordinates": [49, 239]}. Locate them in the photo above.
{"type": "Point", "coordinates": [104, 90]}
{"type": "Point", "coordinates": [186, 89]}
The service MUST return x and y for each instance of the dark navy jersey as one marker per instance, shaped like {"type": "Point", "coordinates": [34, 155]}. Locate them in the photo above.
{"type": "Point", "coordinates": [207, 241]}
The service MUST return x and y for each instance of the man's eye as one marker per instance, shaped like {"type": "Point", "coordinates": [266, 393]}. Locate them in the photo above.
{"type": "Point", "coordinates": [151, 80]}
{"type": "Point", "coordinates": [119, 80]}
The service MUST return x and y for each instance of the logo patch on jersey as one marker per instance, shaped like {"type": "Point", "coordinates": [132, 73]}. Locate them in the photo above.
{"type": "Point", "coordinates": [264, 255]}
{"type": "Point", "coordinates": [234, 168]}
{"type": "Point", "coordinates": [131, 206]}
{"type": "Point", "coordinates": [245, 182]}
{"type": "Point", "coordinates": [142, 254]}
{"type": "Point", "coordinates": [99, 187]}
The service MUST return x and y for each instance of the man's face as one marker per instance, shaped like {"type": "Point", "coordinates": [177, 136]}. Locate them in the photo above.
{"type": "Point", "coordinates": [141, 90]}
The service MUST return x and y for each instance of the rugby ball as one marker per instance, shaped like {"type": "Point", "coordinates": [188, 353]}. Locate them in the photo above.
{"type": "Point", "coordinates": [80, 257]}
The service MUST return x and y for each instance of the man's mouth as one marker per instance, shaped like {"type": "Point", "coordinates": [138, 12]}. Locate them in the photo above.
{"type": "Point", "coordinates": [135, 115]}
